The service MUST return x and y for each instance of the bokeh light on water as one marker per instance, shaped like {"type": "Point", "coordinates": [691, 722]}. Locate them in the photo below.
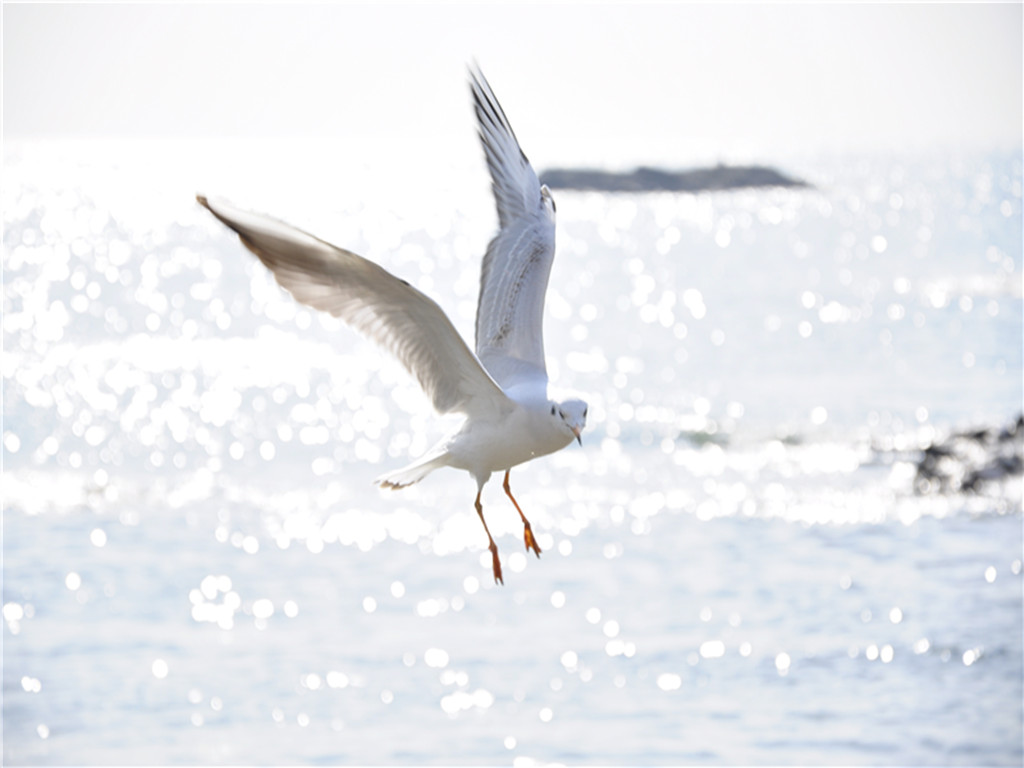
{"type": "Point", "coordinates": [198, 566]}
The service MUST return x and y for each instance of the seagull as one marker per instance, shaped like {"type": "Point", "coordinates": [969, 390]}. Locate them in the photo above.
{"type": "Point", "coordinates": [502, 389]}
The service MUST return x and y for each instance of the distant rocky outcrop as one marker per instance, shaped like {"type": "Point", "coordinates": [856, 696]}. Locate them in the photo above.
{"type": "Point", "coordinates": [720, 177]}
{"type": "Point", "coordinates": [972, 460]}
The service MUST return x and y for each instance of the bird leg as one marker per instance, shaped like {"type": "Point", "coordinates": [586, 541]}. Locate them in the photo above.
{"type": "Point", "coordinates": [495, 563]}
{"type": "Point", "coordinates": [531, 542]}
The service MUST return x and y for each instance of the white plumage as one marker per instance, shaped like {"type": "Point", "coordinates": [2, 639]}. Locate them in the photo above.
{"type": "Point", "coordinates": [502, 389]}
{"type": "Point", "coordinates": [515, 270]}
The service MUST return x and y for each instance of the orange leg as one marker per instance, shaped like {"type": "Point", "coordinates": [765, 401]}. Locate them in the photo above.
{"type": "Point", "coordinates": [531, 542]}
{"type": "Point", "coordinates": [495, 563]}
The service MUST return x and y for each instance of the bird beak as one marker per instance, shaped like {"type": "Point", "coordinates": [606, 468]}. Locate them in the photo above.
{"type": "Point", "coordinates": [576, 432]}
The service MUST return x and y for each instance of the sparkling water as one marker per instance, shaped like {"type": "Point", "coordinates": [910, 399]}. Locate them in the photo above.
{"type": "Point", "coordinates": [740, 565]}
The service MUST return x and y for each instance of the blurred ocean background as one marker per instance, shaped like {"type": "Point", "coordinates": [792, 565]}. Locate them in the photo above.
{"type": "Point", "coordinates": [793, 534]}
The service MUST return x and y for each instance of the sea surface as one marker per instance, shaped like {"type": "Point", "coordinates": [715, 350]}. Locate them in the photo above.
{"type": "Point", "coordinates": [749, 561]}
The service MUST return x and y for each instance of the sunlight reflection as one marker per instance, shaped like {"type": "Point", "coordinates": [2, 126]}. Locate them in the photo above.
{"type": "Point", "coordinates": [435, 658]}
{"type": "Point", "coordinates": [783, 662]}
{"type": "Point", "coordinates": [160, 669]}
{"type": "Point", "coordinates": [669, 681]}
{"type": "Point", "coordinates": [205, 609]}
{"type": "Point", "coordinates": [460, 701]}
{"type": "Point", "coordinates": [712, 649]}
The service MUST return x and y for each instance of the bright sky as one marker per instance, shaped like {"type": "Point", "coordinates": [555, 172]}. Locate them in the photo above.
{"type": "Point", "coordinates": [636, 79]}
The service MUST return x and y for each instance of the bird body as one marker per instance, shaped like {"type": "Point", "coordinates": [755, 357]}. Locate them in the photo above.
{"type": "Point", "coordinates": [502, 388]}
{"type": "Point", "coordinates": [521, 431]}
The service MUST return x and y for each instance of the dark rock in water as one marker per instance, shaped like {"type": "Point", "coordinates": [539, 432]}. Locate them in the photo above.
{"type": "Point", "coordinates": [971, 461]}
{"type": "Point", "coordinates": [698, 438]}
{"type": "Point", "coordinates": [656, 180]}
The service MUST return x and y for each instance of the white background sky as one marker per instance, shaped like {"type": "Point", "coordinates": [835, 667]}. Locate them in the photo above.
{"type": "Point", "coordinates": [690, 79]}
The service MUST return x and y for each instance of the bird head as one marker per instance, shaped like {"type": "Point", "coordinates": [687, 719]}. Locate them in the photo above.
{"type": "Point", "coordinates": [572, 415]}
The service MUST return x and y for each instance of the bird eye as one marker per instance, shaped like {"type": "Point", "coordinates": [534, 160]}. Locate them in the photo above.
{"type": "Point", "coordinates": [552, 410]}
{"type": "Point", "coordinates": [584, 413]}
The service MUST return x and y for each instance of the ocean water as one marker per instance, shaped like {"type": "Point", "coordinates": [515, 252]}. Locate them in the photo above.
{"type": "Point", "coordinates": [742, 564]}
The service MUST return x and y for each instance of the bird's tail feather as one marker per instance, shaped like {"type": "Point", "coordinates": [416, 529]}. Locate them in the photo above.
{"type": "Point", "coordinates": [413, 473]}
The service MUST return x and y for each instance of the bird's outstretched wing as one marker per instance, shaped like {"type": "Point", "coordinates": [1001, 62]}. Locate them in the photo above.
{"type": "Point", "coordinates": [514, 276]}
{"type": "Point", "coordinates": [387, 310]}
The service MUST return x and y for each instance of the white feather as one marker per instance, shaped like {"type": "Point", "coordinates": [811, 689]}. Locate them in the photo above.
{"type": "Point", "coordinates": [387, 310]}
{"type": "Point", "coordinates": [514, 275]}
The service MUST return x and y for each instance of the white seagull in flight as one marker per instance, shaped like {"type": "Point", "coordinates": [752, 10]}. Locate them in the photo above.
{"type": "Point", "coordinates": [502, 390]}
